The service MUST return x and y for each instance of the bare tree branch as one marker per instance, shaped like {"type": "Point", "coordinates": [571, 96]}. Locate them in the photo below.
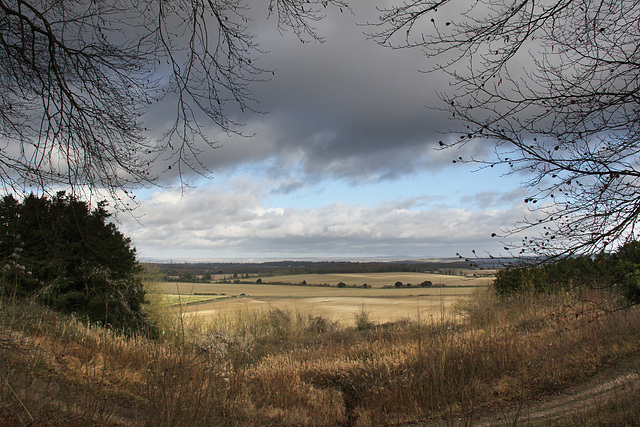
{"type": "Point", "coordinates": [78, 76]}
{"type": "Point", "coordinates": [555, 86]}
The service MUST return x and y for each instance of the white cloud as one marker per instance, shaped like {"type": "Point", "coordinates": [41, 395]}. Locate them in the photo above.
{"type": "Point", "coordinates": [234, 220]}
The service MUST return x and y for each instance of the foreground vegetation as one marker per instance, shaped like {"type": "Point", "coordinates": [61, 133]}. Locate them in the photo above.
{"type": "Point", "coordinates": [274, 367]}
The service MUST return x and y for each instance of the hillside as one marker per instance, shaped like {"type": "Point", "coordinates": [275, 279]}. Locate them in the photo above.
{"type": "Point", "coordinates": [550, 358]}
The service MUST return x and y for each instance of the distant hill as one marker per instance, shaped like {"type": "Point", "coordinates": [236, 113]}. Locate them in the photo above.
{"type": "Point", "coordinates": [323, 267]}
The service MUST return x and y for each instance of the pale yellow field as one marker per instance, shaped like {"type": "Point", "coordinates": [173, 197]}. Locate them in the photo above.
{"type": "Point", "coordinates": [339, 304]}
{"type": "Point", "coordinates": [376, 280]}
{"type": "Point", "coordinates": [291, 291]}
{"type": "Point", "coordinates": [340, 309]}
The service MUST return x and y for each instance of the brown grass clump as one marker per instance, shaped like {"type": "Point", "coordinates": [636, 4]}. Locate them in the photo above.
{"type": "Point", "coordinates": [275, 367]}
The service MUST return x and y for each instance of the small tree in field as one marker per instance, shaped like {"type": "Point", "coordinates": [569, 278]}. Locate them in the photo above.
{"type": "Point", "coordinates": [66, 255]}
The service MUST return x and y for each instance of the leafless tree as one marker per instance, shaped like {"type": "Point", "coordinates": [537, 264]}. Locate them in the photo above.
{"type": "Point", "coordinates": [555, 86]}
{"type": "Point", "coordinates": [78, 76]}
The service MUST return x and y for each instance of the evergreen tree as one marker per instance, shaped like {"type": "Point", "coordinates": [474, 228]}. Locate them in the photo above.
{"type": "Point", "coordinates": [66, 255]}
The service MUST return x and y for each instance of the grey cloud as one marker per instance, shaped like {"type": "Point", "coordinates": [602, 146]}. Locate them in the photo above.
{"type": "Point", "coordinates": [288, 187]}
{"type": "Point", "coordinates": [492, 199]}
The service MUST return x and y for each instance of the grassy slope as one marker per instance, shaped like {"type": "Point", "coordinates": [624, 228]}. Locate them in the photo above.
{"type": "Point", "coordinates": [273, 367]}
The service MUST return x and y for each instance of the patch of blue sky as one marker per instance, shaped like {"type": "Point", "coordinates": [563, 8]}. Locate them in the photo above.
{"type": "Point", "coordinates": [452, 187]}
{"type": "Point", "coordinates": [460, 186]}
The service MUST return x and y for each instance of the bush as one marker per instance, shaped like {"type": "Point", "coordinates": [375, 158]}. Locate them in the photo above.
{"type": "Point", "coordinates": [520, 279]}
{"type": "Point", "coordinates": [625, 269]}
{"type": "Point", "coordinates": [65, 255]}
{"type": "Point", "coordinates": [619, 271]}
{"type": "Point", "coordinates": [363, 320]}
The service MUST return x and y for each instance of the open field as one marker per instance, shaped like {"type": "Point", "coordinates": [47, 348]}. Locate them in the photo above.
{"type": "Point", "coordinates": [338, 304]}
{"type": "Point", "coordinates": [340, 309]}
{"type": "Point", "coordinates": [377, 280]}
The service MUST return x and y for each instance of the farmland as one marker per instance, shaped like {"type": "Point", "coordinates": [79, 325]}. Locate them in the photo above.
{"type": "Point", "coordinates": [382, 301]}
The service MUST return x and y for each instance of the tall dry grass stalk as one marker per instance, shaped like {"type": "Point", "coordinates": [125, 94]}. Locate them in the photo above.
{"type": "Point", "coordinates": [290, 368]}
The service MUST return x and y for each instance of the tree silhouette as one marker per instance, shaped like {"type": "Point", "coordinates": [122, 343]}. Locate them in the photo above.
{"type": "Point", "coordinates": [78, 77]}
{"type": "Point", "coordinates": [554, 86]}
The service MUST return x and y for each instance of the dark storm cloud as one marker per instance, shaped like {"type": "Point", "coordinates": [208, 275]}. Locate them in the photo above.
{"type": "Point", "coordinates": [350, 107]}
{"type": "Point", "coordinates": [346, 108]}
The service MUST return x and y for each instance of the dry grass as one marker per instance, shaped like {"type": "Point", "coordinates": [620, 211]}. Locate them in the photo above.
{"type": "Point", "coordinates": [284, 367]}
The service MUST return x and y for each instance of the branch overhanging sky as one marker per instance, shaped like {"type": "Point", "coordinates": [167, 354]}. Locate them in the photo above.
{"type": "Point", "coordinates": [344, 164]}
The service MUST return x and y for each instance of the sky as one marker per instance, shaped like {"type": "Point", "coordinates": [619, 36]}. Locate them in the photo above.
{"type": "Point", "coordinates": [343, 164]}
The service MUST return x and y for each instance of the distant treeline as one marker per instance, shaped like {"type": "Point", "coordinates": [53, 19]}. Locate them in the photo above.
{"type": "Point", "coordinates": [276, 268]}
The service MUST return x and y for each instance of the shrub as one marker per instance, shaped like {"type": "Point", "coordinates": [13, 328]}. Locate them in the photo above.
{"type": "Point", "coordinates": [363, 320]}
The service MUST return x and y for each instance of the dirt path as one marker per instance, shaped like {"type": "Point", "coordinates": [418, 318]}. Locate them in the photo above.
{"type": "Point", "coordinates": [603, 387]}
{"type": "Point", "coordinates": [551, 408]}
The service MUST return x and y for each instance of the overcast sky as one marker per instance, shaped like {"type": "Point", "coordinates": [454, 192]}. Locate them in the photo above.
{"type": "Point", "coordinates": [344, 165]}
